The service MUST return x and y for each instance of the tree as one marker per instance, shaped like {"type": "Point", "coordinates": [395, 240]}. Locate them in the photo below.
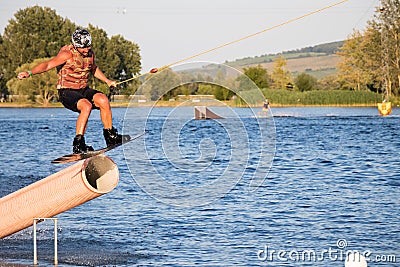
{"type": "Point", "coordinates": [3, 81]}
{"type": "Point", "coordinates": [258, 75]}
{"type": "Point", "coordinates": [371, 59]}
{"type": "Point", "coordinates": [42, 85]}
{"type": "Point", "coordinates": [358, 65]}
{"type": "Point", "coordinates": [205, 89]}
{"type": "Point", "coordinates": [160, 84]}
{"type": "Point", "coordinates": [281, 77]}
{"type": "Point", "coordinates": [329, 83]}
{"type": "Point", "coordinates": [36, 32]}
{"type": "Point", "coordinates": [388, 19]}
{"type": "Point", "coordinates": [99, 47]}
{"type": "Point", "coordinates": [222, 93]}
{"type": "Point", "coordinates": [306, 82]}
{"type": "Point", "coordinates": [117, 57]}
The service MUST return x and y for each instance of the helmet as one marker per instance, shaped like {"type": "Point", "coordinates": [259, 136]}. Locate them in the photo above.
{"type": "Point", "coordinates": [81, 38]}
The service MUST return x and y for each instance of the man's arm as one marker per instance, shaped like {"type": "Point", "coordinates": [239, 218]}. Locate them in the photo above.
{"type": "Point", "coordinates": [61, 58]}
{"type": "Point", "coordinates": [100, 75]}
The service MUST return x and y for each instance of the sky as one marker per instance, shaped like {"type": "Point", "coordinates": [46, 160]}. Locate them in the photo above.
{"type": "Point", "coordinates": [171, 30]}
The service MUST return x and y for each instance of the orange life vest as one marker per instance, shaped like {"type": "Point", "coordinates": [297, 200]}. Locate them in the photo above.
{"type": "Point", "coordinates": [75, 72]}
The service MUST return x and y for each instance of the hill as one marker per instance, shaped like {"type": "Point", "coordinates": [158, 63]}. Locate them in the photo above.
{"type": "Point", "coordinates": [319, 60]}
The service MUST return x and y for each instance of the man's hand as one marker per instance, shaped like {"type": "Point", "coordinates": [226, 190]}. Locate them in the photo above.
{"type": "Point", "coordinates": [111, 83]}
{"type": "Point", "coordinates": [23, 75]}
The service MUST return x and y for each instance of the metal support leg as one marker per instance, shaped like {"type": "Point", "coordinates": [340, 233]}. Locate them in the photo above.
{"type": "Point", "coordinates": [35, 262]}
{"type": "Point", "coordinates": [55, 242]}
{"type": "Point", "coordinates": [35, 221]}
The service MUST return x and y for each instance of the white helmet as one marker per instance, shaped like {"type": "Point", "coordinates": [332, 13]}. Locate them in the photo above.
{"type": "Point", "coordinates": [81, 38]}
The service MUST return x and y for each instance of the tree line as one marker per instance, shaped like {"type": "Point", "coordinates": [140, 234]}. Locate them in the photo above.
{"type": "Point", "coordinates": [371, 58]}
{"type": "Point", "coordinates": [370, 62]}
{"type": "Point", "coordinates": [37, 33]}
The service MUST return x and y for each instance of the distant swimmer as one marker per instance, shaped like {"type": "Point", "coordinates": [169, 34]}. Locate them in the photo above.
{"type": "Point", "coordinates": [264, 111]}
{"type": "Point", "coordinates": [265, 105]}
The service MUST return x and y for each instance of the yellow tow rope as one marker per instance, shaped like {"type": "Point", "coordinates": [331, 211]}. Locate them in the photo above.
{"type": "Point", "coordinates": [154, 70]}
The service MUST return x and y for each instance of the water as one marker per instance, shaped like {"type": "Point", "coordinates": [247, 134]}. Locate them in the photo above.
{"type": "Point", "coordinates": [185, 196]}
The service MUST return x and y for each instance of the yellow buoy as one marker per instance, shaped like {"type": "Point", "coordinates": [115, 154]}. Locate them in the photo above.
{"type": "Point", "coordinates": [385, 108]}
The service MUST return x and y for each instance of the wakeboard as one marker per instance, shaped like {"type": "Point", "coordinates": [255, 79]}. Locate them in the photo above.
{"type": "Point", "coordinates": [75, 157]}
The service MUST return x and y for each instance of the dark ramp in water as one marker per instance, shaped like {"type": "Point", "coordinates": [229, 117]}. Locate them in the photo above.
{"type": "Point", "coordinates": [203, 113]}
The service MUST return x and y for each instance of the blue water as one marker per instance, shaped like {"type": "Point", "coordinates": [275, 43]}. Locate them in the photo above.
{"type": "Point", "coordinates": [192, 193]}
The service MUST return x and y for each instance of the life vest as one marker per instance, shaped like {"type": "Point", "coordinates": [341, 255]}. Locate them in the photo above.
{"type": "Point", "coordinates": [75, 72]}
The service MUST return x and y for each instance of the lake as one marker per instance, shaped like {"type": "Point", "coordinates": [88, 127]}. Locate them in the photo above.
{"type": "Point", "coordinates": [300, 188]}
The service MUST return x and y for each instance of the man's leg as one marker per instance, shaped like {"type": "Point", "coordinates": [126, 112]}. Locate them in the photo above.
{"type": "Point", "coordinates": [73, 100]}
{"type": "Point", "coordinates": [101, 101]}
{"type": "Point", "coordinates": [110, 133]}
{"type": "Point", "coordinates": [84, 107]}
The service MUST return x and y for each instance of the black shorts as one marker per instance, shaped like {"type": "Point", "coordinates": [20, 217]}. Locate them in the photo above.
{"type": "Point", "coordinates": [70, 97]}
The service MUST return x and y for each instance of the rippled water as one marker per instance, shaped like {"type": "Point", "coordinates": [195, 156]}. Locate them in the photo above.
{"type": "Point", "coordinates": [333, 187]}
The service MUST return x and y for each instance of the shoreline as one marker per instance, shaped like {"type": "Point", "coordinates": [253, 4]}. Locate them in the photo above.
{"type": "Point", "coordinates": [175, 104]}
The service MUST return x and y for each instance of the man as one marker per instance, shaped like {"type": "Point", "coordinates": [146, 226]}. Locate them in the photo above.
{"type": "Point", "coordinates": [74, 63]}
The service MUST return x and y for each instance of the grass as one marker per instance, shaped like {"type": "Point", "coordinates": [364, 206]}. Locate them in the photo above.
{"type": "Point", "coordinates": [324, 98]}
